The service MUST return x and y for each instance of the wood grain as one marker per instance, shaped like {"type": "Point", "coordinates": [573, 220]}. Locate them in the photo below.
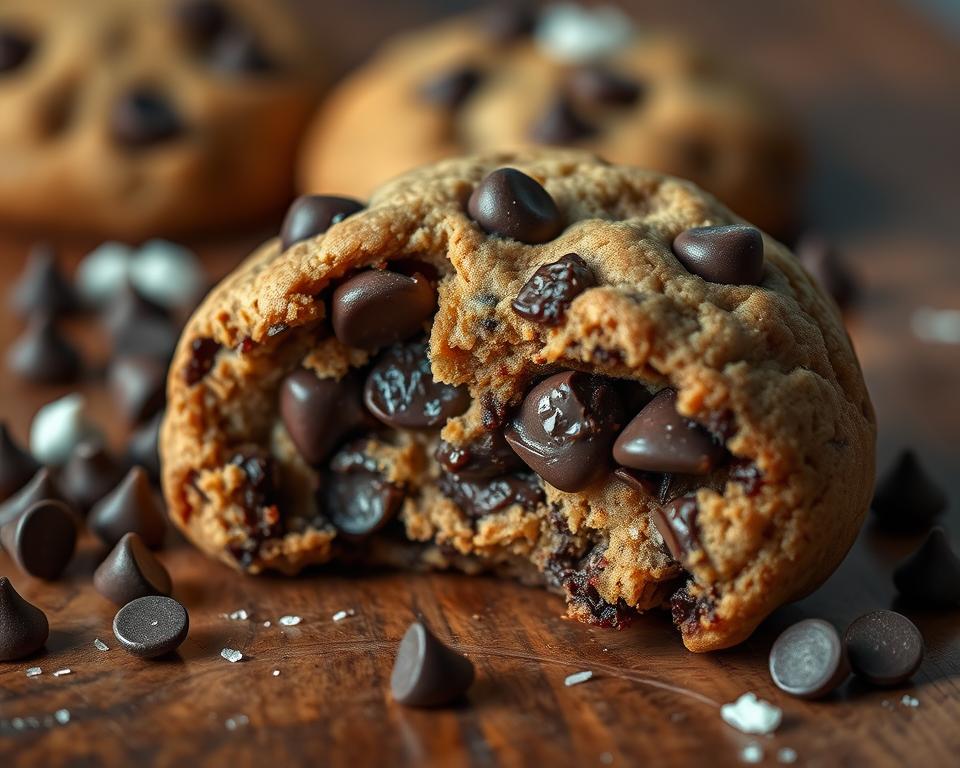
{"type": "Point", "coordinates": [875, 85]}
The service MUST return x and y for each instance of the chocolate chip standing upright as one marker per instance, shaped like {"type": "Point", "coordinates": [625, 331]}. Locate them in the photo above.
{"type": "Point", "coordinates": [151, 626]}
{"type": "Point", "coordinates": [377, 307]}
{"type": "Point", "coordinates": [144, 446]}
{"type": "Point", "coordinates": [427, 673]}
{"type": "Point", "coordinates": [730, 254]}
{"type": "Point", "coordinates": [23, 627]}
{"type": "Point", "coordinates": [885, 648]}
{"type": "Point", "coordinates": [131, 571]}
{"type": "Point", "coordinates": [311, 215]}
{"type": "Point", "coordinates": [138, 385]}
{"type": "Point", "coordinates": [931, 575]}
{"type": "Point", "coordinates": [906, 498]}
{"type": "Point", "coordinates": [511, 204]}
{"type": "Point", "coordinates": [17, 466]}
{"type": "Point", "coordinates": [138, 326]}
{"type": "Point", "coordinates": [41, 487]}
{"type": "Point", "coordinates": [42, 540]}
{"type": "Point", "coordinates": [823, 262]}
{"type": "Point", "coordinates": [42, 287]}
{"type": "Point", "coordinates": [89, 474]}
{"type": "Point", "coordinates": [43, 355]}
{"type": "Point", "coordinates": [131, 507]}
{"type": "Point", "coordinates": [808, 660]}
{"type": "Point", "coordinates": [547, 295]}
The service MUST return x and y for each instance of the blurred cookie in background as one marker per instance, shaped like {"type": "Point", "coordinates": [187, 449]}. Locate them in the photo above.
{"type": "Point", "coordinates": [565, 75]}
{"type": "Point", "coordinates": [150, 118]}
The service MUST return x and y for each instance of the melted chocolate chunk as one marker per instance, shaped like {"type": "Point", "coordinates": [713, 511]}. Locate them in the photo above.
{"type": "Point", "coordinates": [677, 524]}
{"type": "Point", "coordinates": [548, 293]}
{"type": "Point", "coordinates": [451, 89]}
{"type": "Point", "coordinates": [687, 610]}
{"type": "Point", "coordinates": [730, 255]}
{"type": "Point", "coordinates": [355, 497]}
{"type": "Point", "coordinates": [511, 204]}
{"type": "Point", "coordinates": [378, 307]}
{"type": "Point", "coordinates": [488, 456]}
{"type": "Point", "coordinates": [484, 496]}
{"type": "Point", "coordinates": [203, 353]}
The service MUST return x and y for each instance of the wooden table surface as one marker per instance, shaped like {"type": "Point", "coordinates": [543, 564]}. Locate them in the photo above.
{"type": "Point", "coordinates": [877, 87]}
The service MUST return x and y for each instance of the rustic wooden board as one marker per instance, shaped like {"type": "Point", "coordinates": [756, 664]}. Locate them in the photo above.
{"type": "Point", "coordinates": [876, 86]}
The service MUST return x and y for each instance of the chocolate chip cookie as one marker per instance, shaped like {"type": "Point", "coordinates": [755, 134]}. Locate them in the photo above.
{"type": "Point", "coordinates": [583, 375]}
{"type": "Point", "coordinates": [568, 76]}
{"type": "Point", "coordinates": [136, 119]}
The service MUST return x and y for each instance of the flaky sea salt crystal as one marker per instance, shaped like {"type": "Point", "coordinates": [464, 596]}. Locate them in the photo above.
{"type": "Point", "coordinates": [341, 615]}
{"type": "Point", "coordinates": [232, 655]}
{"type": "Point", "coordinates": [62, 672]}
{"type": "Point", "coordinates": [751, 715]}
{"type": "Point", "coordinates": [752, 753]}
{"type": "Point", "coordinates": [289, 621]}
{"type": "Point", "coordinates": [266, 623]}
{"type": "Point", "coordinates": [237, 721]}
{"type": "Point", "coordinates": [577, 677]}
{"type": "Point", "coordinates": [34, 671]}
{"type": "Point", "coordinates": [909, 701]}
{"type": "Point", "coordinates": [239, 615]}
{"type": "Point", "coordinates": [100, 645]}
{"type": "Point", "coordinates": [787, 756]}
{"type": "Point", "coordinates": [276, 673]}
{"type": "Point", "coordinates": [62, 716]}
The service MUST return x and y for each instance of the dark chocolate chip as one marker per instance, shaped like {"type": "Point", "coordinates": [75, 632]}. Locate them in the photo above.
{"type": "Point", "coordinates": [906, 498]}
{"type": "Point", "coordinates": [139, 327]}
{"type": "Point", "coordinates": [885, 648]}
{"type": "Point", "coordinates": [43, 355]}
{"type": "Point", "coordinates": [319, 413]}
{"type": "Point", "coordinates": [401, 392]}
{"type": "Point", "coordinates": [649, 483]}
{"type": "Point", "coordinates": [565, 427]}
{"type": "Point", "coordinates": [485, 496]}
{"type": "Point", "coordinates": [508, 22]}
{"type": "Point", "coordinates": [42, 287]}
{"type": "Point", "coordinates": [677, 524]}
{"type": "Point", "coordinates": [658, 439]}
{"type": "Point", "coordinates": [311, 215]}
{"type": "Point", "coordinates": [238, 51]}
{"type": "Point", "coordinates": [201, 21]}
{"type": "Point", "coordinates": [560, 124]}
{"type": "Point", "coordinates": [203, 353]}
{"type": "Point", "coordinates": [600, 87]}
{"type": "Point", "coordinates": [138, 386]}
{"type": "Point", "coordinates": [151, 626]}
{"type": "Point", "coordinates": [131, 571]}
{"type": "Point", "coordinates": [807, 660]}
{"type": "Point", "coordinates": [829, 270]}
{"type": "Point", "coordinates": [131, 507]}
{"type": "Point", "coordinates": [731, 255]}
{"type": "Point", "coordinates": [89, 475]}
{"type": "Point", "coordinates": [17, 466]}
{"type": "Point", "coordinates": [449, 90]}
{"type": "Point", "coordinates": [548, 293]}
{"type": "Point", "coordinates": [144, 118]}
{"type": "Point", "coordinates": [427, 673]}
{"type": "Point", "coordinates": [377, 307]}
{"type": "Point", "coordinates": [931, 575]}
{"type": "Point", "coordinates": [511, 204]}
{"type": "Point", "coordinates": [42, 540]}
{"type": "Point", "coordinates": [15, 49]}
{"type": "Point", "coordinates": [41, 487]}
{"type": "Point", "coordinates": [23, 627]}
{"type": "Point", "coordinates": [143, 448]}
{"type": "Point", "coordinates": [488, 456]}
{"type": "Point", "coordinates": [357, 499]}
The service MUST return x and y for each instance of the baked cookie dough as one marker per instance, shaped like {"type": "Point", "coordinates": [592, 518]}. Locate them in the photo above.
{"type": "Point", "coordinates": [569, 76]}
{"type": "Point", "coordinates": [583, 375]}
{"type": "Point", "coordinates": [149, 118]}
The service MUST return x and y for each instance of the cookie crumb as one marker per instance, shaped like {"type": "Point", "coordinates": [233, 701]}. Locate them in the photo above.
{"type": "Point", "coordinates": [100, 645]}
{"type": "Point", "coordinates": [232, 655]}
{"type": "Point", "coordinates": [752, 715]}
{"type": "Point", "coordinates": [577, 677]}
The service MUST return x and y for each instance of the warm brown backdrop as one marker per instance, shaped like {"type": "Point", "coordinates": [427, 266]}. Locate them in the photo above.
{"type": "Point", "coordinates": [876, 85]}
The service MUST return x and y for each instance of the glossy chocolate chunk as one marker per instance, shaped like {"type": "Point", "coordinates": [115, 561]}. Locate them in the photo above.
{"type": "Point", "coordinates": [488, 456]}
{"type": "Point", "coordinates": [15, 49]}
{"type": "Point", "coordinates": [731, 254]}
{"type": "Point", "coordinates": [41, 487]}
{"type": "Point", "coordinates": [131, 507]}
{"type": "Point", "coordinates": [151, 626]}
{"type": "Point", "coordinates": [548, 293]}
{"type": "Point", "coordinates": [808, 659]}
{"type": "Point", "coordinates": [201, 21]}
{"type": "Point", "coordinates": [931, 575]}
{"type": "Point", "coordinates": [42, 287]}
{"type": "Point", "coordinates": [906, 498]}
{"type": "Point", "coordinates": [42, 540]}
{"type": "Point", "coordinates": [829, 270]}
{"type": "Point", "coordinates": [885, 648]}
{"type": "Point", "coordinates": [144, 446]}
{"type": "Point", "coordinates": [138, 386]}
{"type": "Point", "coordinates": [23, 626]}
{"type": "Point", "coordinates": [203, 354]}
{"type": "Point", "coordinates": [485, 496]}
{"type": "Point", "coordinates": [17, 466]}
{"type": "Point", "coordinates": [600, 87]}
{"type": "Point", "coordinates": [511, 204]}
{"type": "Point", "coordinates": [377, 307]}
{"type": "Point", "coordinates": [565, 427]}
{"type": "Point", "coordinates": [449, 90]}
{"type": "Point", "coordinates": [43, 355]}
{"type": "Point", "coordinates": [560, 124]}
{"type": "Point", "coordinates": [319, 413]}
{"type": "Point", "coordinates": [310, 215]}
{"type": "Point", "coordinates": [357, 499]}
{"type": "Point", "coordinates": [131, 571]}
{"type": "Point", "coordinates": [658, 439]}
{"type": "Point", "coordinates": [427, 673]}
{"type": "Point", "coordinates": [401, 392]}
{"type": "Point", "coordinates": [238, 51]}
{"type": "Point", "coordinates": [89, 475]}
{"type": "Point", "coordinates": [677, 524]}
{"type": "Point", "coordinates": [144, 118]}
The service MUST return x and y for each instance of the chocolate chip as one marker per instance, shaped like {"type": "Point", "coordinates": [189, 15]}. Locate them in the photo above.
{"type": "Point", "coordinates": [357, 499]}
{"type": "Point", "coordinates": [151, 626]}
{"type": "Point", "coordinates": [42, 288]}
{"type": "Point", "coordinates": [319, 413]}
{"type": "Point", "coordinates": [377, 307]}
{"type": "Point", "coordinates": [238, 51]}
{"type": "Point", "coordinates": [42, 540]}
{"type": "Point", "coordinates": [511, 204]}
{"type": "Point", "coordinates": [906, 498]}
{"type": "Point", "coordinates": [560, 124]}
{"type": "Point", "coordinates": [427, 673]}
{"type": "Point", "coordinates": [139, 327]}
{"type": "Point", "coordinates": [203, 353]}
{"type": "Point", "coordinates": [15, 49]}
{"type": "Point", "coordinates": [508, 22]}
{"type": "Point", "coordinates": [885, 648]}
{"type": "Point", "coordinates": [131, 571]}
{"type": "Point", "coordinates": [649, 483]}
{"type": "Point", "coordinates": [144, 118]}
{"type": "Point", "coordinates": [401, 392]}
{"type": "Point", "coordinates": [40, 488]}
{"type": "Point", "coordinates": [548, 293]}
{"type": "Point", "coordinates": [143, 448]}
{"type": "Point", "coordinates": [931, 575]}
{"type": "Point", "coordinates": [488, 456]}
{"type": "Point", "coordinates": [730, 255]}
{"type": "Point", "coordinates": [828, 269]}
{"type": "Point", "coordinates": [16, 465]}
{"type": "Point", "coordinates": [311, 215]}
{"type": "Point", "coordinates": [138, 386]}
{"type": "Point", "coordinates": [485, 496]}
{"type": "Point", "coordinates": [449, 90]}
{"type": "Point", "coordinates": [201, 21]}
{"type": "Point", "coordinates": [42, 354]}
{"type": "Point", "coordinates": [808, 660]}
{"type": "Point", "coordinates": [565, 427]}
{"type": "Point", "coordinates": [600, 87]}
{"type": "Point", "coordinates": [131, 507]}
{"type": "Point", "coordinates": [23, 627]}
{"type": "Point", "coordinates": [89, 475]}
{"type": "Point", "coordinates": [677, 524]}
{"type": "Point", "coordinates": [658, 439]}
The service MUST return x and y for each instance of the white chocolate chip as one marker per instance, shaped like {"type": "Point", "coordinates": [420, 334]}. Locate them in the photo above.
{"type": "Point", "coordinates": [571, 32]}
{"type": "Point", "coordinates": [58, 428]}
